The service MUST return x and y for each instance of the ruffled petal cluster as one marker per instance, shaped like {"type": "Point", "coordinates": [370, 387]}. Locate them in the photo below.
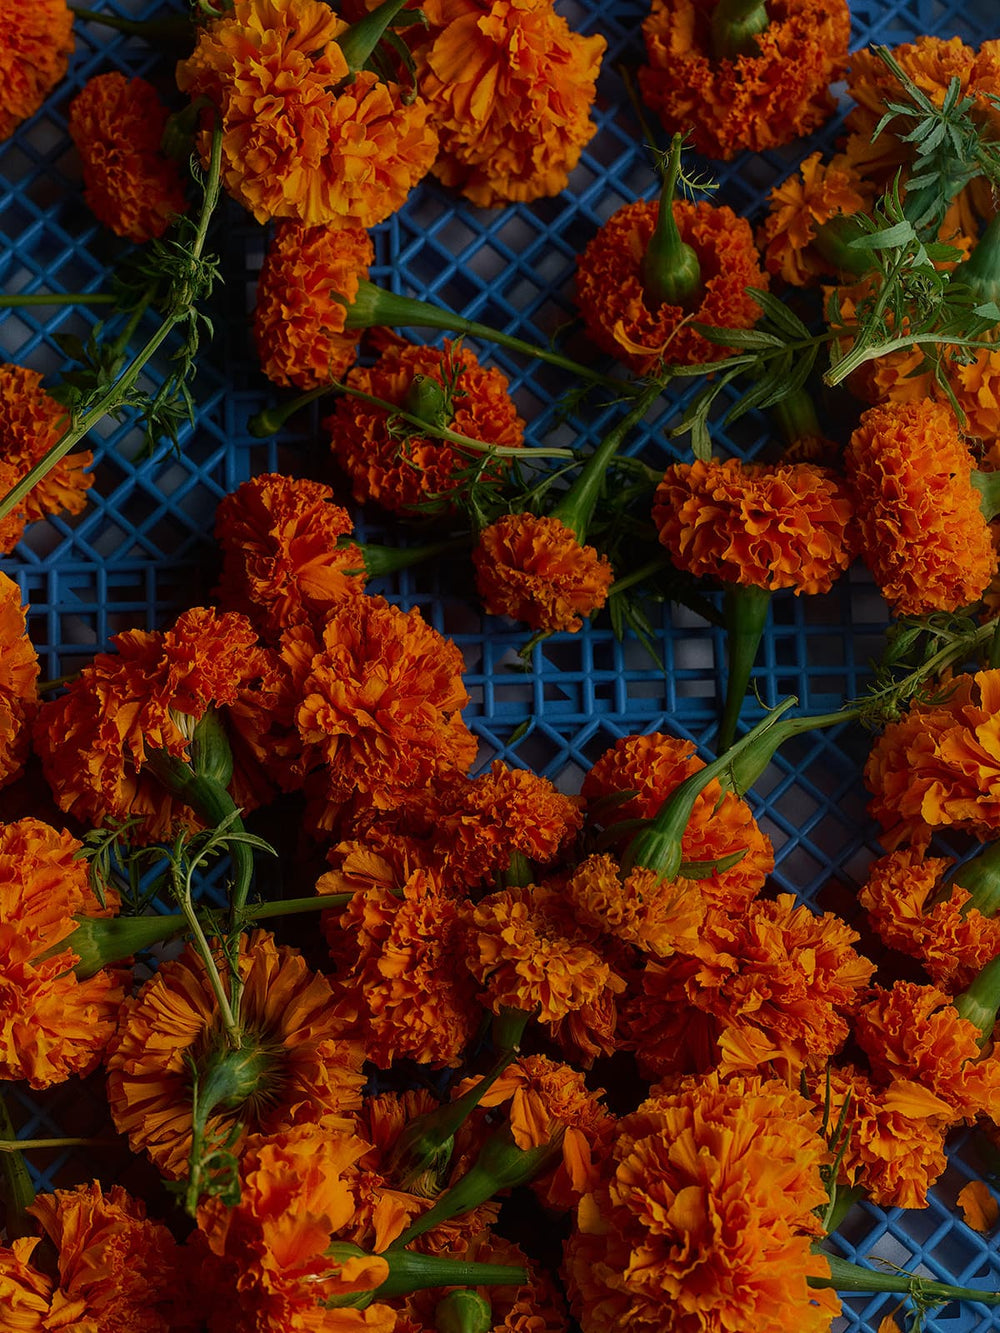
{"type": "Point", "coordinates": [799, 207]}
{"type": "Point", "coordinates": [129, 184]}
{"type": "Point", "coordinates": [35, 45]}
{"type": "Point", "coordinates": [747, 523]}
{"type": "Point", "coordinates": [30, 424]}
{"type": "Point", "coordinates": [18, 682]}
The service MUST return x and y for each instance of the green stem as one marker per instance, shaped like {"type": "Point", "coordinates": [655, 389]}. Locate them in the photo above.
{"type": "Point", "coordinates": [17, 1193]}
{"type": "Point", "coordinates": [124, 338]}
{"type": "Point", "coordinates": [112, 396]}
{"type": "Point", "coordinates": [848, 1277]}
{"type": "Point", "coordinates": [383, 560]}
{"type": "Point", "coordinates": [182, 892]}
{"type": "Point", "coordinates": [176, 29]}
{"type": "Point", "coordinates": [981, 271]}
{"type": "Point", "coordinates": [980, 1001]}
{"type": "Point", "coordinates": [56, 298]}
{"type": "Point", "coordinates": [321, 902]}
{"type": "Point", "coordinates": [374, 306]}
{"type": "Point", "coordinates": [671, 274]}
{"type": "Point", "coordinates": [271, 419]}
{"type": "Point", "coordinates": [745, 609]}
{"type": "Point", "coordinates": [410, 1272]}
{"type": "Point", "coordinates": [981, 877]}
{"type": "Point", "coordinates": [736, 25]}
{"type": "Point", "coordinates": [795, 416]}
{"type": "Point", "coordinates": [36, 1145]}
{"type": "Point", "coordinates": [576, 508]}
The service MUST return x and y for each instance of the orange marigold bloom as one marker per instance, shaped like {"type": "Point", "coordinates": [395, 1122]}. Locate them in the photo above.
{"type": "Point", "coordinates": [18, 682]}
{"type": "Point", "coordinates": [644, 336]}
{"type": "Point", "coordinates": [403, 472]}
{"type": "Point", "coordinates": [757, 101]}
{"type": "Point", "coordinates": [315, 1054]}
{"type": "Point", "coordinates": [118, 1272]}
{"type": "Point", "coordinates": [536, 1304]}
{"type": "Point", "coordinates": [267, 1266]}
{"type": "Point", "coordinates": [298, 322]}
{"type": "Point", "coordinates": [510, 88]}
{"type": "Point", "coordinates": [914, 1033]}
{"type": "Point", "coordinates": [301, 139]}
{"type": "Point", "coordinates": [534, 569]}
{"type": "Point", "coordinates": [923, 533]}
{"type": "Point", "coordinates": [938, 765]}
{"type": "Point", "coordinates": [528, 951]}
{"type": "Point", "coordinates": [799, 207]}
{"type": "Point", "coordinates": [281, 562]}
{"type": "Point", "coordinates": [35, 46]}
{"type": "Point", "coordinates": [396, 964]}
{"type": "Point", "coordinates": [658, 916]}
{"type": "Point", "coordinates": [952, 939]}
{"type": "Point", "coordinates": [52, 1025]}
{"type": "Point", "coordinates": [129, 184]}
{"type": "Point", "coordinates": [30, 423]}
{"type": "Point", "coordinates": [652, 767]}
{"type": "Point", "coordinates": [747, 523]}
{"type": "Point", "coordinates": [706, 1219]}
{"type": "Point", "coordinates": [95, 740]}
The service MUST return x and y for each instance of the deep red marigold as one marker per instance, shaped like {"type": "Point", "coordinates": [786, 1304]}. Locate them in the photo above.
{"type": "Point", "coordinates": [298, 321]}
{"type": "Point", "coordinates": [30, 423]}
{"type": "Point", "coordinates": [756, 101]}
{"type": "Point", "coordinates": [36, 42]}
{"type": "Point", "coordinates": [129, 184]}
{"type": "Point", "coordinates": [405, 470]}
{"type": "Point", "coordinates": [534, 569]}
{"type": "Point", "coordinates": [643, 335]}
{"type": "Point", "coordinates": [747, 523]}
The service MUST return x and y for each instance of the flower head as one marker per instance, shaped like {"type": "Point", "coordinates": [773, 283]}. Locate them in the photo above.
{"type": "Point", "coordinates": [281, 561]}
{"type": "Point", "coordinates": [30, 423]}
{"type": "Point", "coordinates": [534, 569]}
{"type": "Point", "coordinates": [658, 916]}
{"type": "Point", "coordinates": [52, 1025]}
{"type": "Point", "coordinates": [747, 523]}
{"type": "Point", "coordinates": [510, 88]}
{"type": "Point", "coordinates": [314, 1054]}
{"type": "Point", "coordinates": [298, 321]}
{"type": "Point", "coordinates": [755, 101]}
{"type": "Point", "coordinates": [923, 533]}
{"type": "Point", "coordinates": [35, 47]}
{"type": "Point", "coordinates": [642, 334]}
{"type": "Point", "coordinates": [18, 682]}
{"type": "Point", "coordinates": [301, 139]}
{"type": "Point", "coordinates": [407, 471]}
{"type": "Point", "coordinates": [129, 184]}
{"type": "Point", "coordinates": [799, 207]}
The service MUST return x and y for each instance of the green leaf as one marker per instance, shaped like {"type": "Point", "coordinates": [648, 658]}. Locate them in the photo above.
{"type": "Point", "coordinates": [753, 339]}
{"type": "Point", "coordinates": [778, 313]}
{"type": "Point", "coordinates": [887, 238]}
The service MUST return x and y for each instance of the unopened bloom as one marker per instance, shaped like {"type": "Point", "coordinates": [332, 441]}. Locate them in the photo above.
{"type": "Point", "coordinates": [35, 46]}
{"type": "Point", "coordinates": [129, 184]}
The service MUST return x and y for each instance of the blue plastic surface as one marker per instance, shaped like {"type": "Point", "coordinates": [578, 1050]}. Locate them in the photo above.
{"type": "Point", "coordinates": [142, 549]}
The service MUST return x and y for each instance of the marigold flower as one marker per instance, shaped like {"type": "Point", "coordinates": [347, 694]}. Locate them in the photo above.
{"type": "Point", "coordinates": [652, 767]}
{"type": "Point", "coordinates": [915, 1033]}
{"type": "Point", "coordinates": [95, 740]}
{"type": "Point", "coordinates": [30, 423]}
{"type": "Point", "coordinates": [281, 562]}
{"type": "Point", "coordinates": [658, 916]}
{"type": "Point", "coordinates": [747, 523]}
{"type": "Point", "coordinates": [799, 207]}
{"type": "Point", "coordinates": [537, 1304]}
{"type": "Point", "coordinates": [118, 1272]}
{"type": "Point", "coordinates": [298, 321]}
{"type": "Point", "coordinates": [756, 101]}
{"type": "Point", "coordinates": [396, 963]}
{"type": "Point", "coordinates": [35, 47]}
{"type": "Point", "coordinates": [129, 184]}
{"type": "Point", "coordinates": [52, 1025]}
{"type": "Point", "coordinates": [708, 1214]}
{"type": "Point", "coordinates": [534, 569]}
{"type": "Point", "coordinates": [642, 335]}
{"type": "Point", "coordinates": [18, 682]}
{"type": "Point", "coordinates": [923, 532]}
{"type": "Point", "coordinates": [938, 765]}
{"type": "Point", "coordinates": [408, 471]}
{"type": "Point", "coordinates": [301, 139]}
{"type": "Point", "coordinates": [316, 1056]}
{"type": "Point", "coordinates": [510, 88]}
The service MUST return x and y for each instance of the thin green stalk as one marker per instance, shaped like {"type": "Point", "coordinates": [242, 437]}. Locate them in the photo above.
{"type": "Point", "coordinates": [35, 1145]}
{"type": "Point", "coordinates": [56, 298]}
{"type": "Point", "coordinates": [183, 894]}
{"type": "Point", "coordinates": [320, 902]}
{"type": "Point", "coordinates": [846, 1277]}
{"type": "Point", "coordinates": [173, 29]}
{"type": "Point", "coordinates": [746, 610]}
{"type": "Point", "coordinates": [17, 1193]}
{"type": "Point", "coordinates": [645, 571]}
{"type": "Point", "coordinates": [268, 422]}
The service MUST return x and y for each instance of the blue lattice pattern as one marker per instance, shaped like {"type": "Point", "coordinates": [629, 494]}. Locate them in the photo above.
{"type": "Point", "coordinates": [142, 549]}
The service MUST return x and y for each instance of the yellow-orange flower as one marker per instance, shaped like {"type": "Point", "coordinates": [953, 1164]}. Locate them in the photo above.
{"type": "Point", "coordinates": [403, 471]}
{"type": "Point", "coordinates": [707, 1214]}
{"type": "Point", "coordinates": [652, 767]}
{"type": "Point", "coordinates": [30, 423]}
{"type": "Point", "coordinates": [288, 1011]}
{"type": "Point", "coordinates": [298, 322]}
{"type": "Point", "coordinates": [938, 765]}
{"type": "Point", "coordinates": [51, 1024]}
{"type": "Point", "coordinates": [534, 569]}
{"type": "Point", "coordinates": [35, 46]}
{"type": "Point", "coordinates": [118, 1272]}
{"type": "Point", "coordinates": [510, 88]}
{"type": "Point", "coordinates": [756, 101]}
{"type": "Point", "coordinates": [281, 562]}
{"type": "Point", "coordinates": [923, 533]}
{"type": "Point", "coordinates": [799, 207]}
{"type": "Point", "coordinates": [129, 184]}
{"type": "Point", "coordinates": [301, 139]}
{"type": "Point", "coordinates": [643, 334]}
{"type": "Point", "coordinates": [747, 523]}
{"type": "Point", "coordinates": [658, 916]}
{"type": "Point", "coordinates": [18, 682]}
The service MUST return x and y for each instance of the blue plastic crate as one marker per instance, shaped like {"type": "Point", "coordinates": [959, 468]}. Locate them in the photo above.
{"type": "Point", "coordinates": [142, 550]}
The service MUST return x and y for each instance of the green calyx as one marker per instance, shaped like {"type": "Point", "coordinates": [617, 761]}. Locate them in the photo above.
{"type": "Point", "coordinates": [228, 1079]}
{"type": "Point", "coordinates": [980, 273]}
{"type": "Point", "coordinates": [981, 1001]}
{"type": "Point", "coordinates": [980, 876]}
{"type": "Point", "coordinates": [463, 1311]}
{"type": "Point", "coordinates": [670, 271]}
{"type": "Point", "coordinates": [736, 25]}
{"type": "Point", "coordinates": [833, 242]}
{"type": "Point", "coordinates": [428, 400]}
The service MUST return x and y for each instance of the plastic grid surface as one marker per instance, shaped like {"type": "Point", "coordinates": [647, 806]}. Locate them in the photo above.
{"type": "Point", "coordinates": [142, 550]}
